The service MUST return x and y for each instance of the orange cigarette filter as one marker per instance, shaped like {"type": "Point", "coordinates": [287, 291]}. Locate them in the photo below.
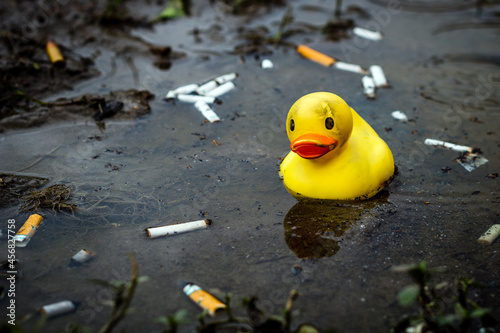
{"type": "Point", "coordinates": [28, 229]}
{"type": "Point", "coordinates": [203, 299]}
{"type": "Point", "coordinates": [316, 56]}
{"type": "Point", "coordinates": [54, 53]}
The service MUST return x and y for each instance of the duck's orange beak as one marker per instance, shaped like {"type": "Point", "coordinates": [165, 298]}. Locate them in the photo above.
{"type": "Point", "coordinates": [313, 145]}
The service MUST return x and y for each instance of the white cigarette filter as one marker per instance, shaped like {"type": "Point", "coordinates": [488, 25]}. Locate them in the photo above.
{"type": "Point", "coordinates": [83, 255]}
{"type": "Point", "coordinates": [225, 78]}
{"type": "Point", "coordinates": [449, 145]}
{"type": "Point", "coordinates": [207, 111]}
{"type": "Point", "coordinates": [154, 232]}
{"type": "Point", "coordinates": [206, 87]}
{"type": "Point", "coordinates": [490, 235]}
{"type": "Point", "coordinates": [221, 90]}
{"type": "Point", "coordinates": [378, 76]}
{"type": "Point", "coordinates": [187, 89]}
{"type": "Point", "coordinates": [368, 86]}
{"type": "Point", "coordinates": [266, 64]}
{"type": "Point", "coordinates": [195, 98]}
{"type": "Point", "coordinates": [349, 67]}
{"type": "Point", "coordinates": [399, 116]}
{"type": "Point", "coordinates": [58, 308]}
{"type": "Point", "coordinates": [368, 34]}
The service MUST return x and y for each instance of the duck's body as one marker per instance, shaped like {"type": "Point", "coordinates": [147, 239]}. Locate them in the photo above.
{"type": "Point", "coordinates": [335, 154]}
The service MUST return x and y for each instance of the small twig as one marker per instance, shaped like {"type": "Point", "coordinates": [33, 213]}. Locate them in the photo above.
{"type": "Point", "coordinates": [39, 159]}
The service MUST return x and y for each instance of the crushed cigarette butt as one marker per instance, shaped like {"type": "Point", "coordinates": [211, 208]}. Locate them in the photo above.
{"type": "Point", "coordinates": [490, 235]}
{"type": "Point", "coordinates": [399, 116]}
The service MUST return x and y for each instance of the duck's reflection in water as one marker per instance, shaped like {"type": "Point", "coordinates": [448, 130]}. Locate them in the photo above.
{"type": "Point", "coordinates": [315, 229]}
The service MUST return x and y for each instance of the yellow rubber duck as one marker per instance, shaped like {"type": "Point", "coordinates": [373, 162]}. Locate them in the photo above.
{"type": "Point", "coordinates": [335, 154]}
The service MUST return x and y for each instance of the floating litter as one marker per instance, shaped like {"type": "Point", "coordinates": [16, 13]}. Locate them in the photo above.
{"type": "Point", "coordinates": [315, 56]}
{"type": "Point", "coordinates": [471, 161]}
{"type": "Point", "coordinates": [187, 89]}
{"type": "Point", "coordinates": [368, 34]}
{"type": "Point", "coordinates": [470, 158]}
{"type": "Point", "coordinates": [221, 90]}
{"type": "Point", "coordinates": [399, 116]}
{"type": "Point", "coordinates": [368, 86]}
{"type": "Point", "coordinates": [449, 145]}
{"type": "Point", "coordinates": [195, 98]}
{"type": "Point", "coordinates": [55, 54]}
{"type": "Point", "coordinates": [27, 231]}
{"type": "Point", "coordinates": [207, 111]}
{"type": "Point", "coordinates": [81, 257]}
{"type": "Point", "coordinates": [344, 66]}
{"type": "Point", "coordinates": [226, 78]}
{"type": "Point", "coordinates": [378, 76]}
{"type": "Point", "coordinates": [490, 235]}
{"type": "Point", "coordinates": [207, 93]}
{"type": "Point", "coordinates": [154, 232]}
{"type": "Point", "coordinates": [59, 308]}
{"type": "Point", "coordinates": [205, 300]}
{"type": "Point", "coordinates": [266, 64]}
{"type": "Point", "coordinates": [205, 88]}
{"type": "Point", "coordinates": [214, 83]}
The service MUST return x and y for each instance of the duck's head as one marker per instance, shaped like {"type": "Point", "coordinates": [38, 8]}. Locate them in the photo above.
{"type": "Point", "coordinates": [318, 123]}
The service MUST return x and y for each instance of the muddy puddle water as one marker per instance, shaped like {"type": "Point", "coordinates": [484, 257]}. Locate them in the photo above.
{"type": "Point", "coordinates": [170, 166]}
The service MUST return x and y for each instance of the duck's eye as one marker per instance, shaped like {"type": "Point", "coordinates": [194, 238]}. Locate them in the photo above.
{"type": "Point", "coordinates": [329, 123]}
{"type": "Point", "coordinates": [292, 125]}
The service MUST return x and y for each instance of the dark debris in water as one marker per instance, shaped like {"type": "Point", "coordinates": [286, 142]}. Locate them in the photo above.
{"type": "Point", "coordinates": [26, 71]}
{"type": "Point", "coordinates": [240, 7]}
{"type": "Point", "coordinates": [257, 40]}
{"type": "Point", "coordinates": [108, 110]}
{"type": "Point", "coordinates": [54, 197]}
{"type": "Point", "coordinates": [13, 187]}
{"type": "Point", "coordinates": [121, 104]}
{"type": "Point", "coordinates": [336, 30]}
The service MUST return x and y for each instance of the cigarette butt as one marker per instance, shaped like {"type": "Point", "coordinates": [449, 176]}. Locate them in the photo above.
{"type": "Point", "coordinates": [449, 145]}
{"type": "Point", "coordinates": [56, 309]}
{"type": "Point", "coordinates": [225, 78]}
{"type": "Point", "coordinates": [349, 67]}
{"type": "Point", "coordinates": [205, 88]}
{"type": "Point", "coordinates": [205, 300]}
{"type": "Point", "coordinates": [368, 86]}
{"type": "Point", "coordinates": [27, 231]}
{"type": "Point", "coordinates": [82, 256]}
{"type": "Point", "coordinates": [316, 56]}
{"type": "Point", "coordinates": [187, 89]}
{"type": "Point", "coordinates": [55, 54]}
{"type": "Point", "coordinates": [266, 64]}
{"type": "Point", "coordinates": [221, 90]}
{"type": "Point", "coordinates": [368, 34]}
{"type": "Point", "coordinates": [154, 232]}
{"type": "Point", "coordinates": [378, 76]}
{"type": "Point", "coordinates": [490, 235]}
{"type": "Point", "coordinates": [195, 98]}
{"type": "Point", "coordinates": [399, 116]}
{"type": "Point", "coordinates": [207, 111]}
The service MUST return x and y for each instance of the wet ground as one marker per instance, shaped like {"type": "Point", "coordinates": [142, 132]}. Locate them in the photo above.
{"type": "Point", "coordinates": [168, 166]}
